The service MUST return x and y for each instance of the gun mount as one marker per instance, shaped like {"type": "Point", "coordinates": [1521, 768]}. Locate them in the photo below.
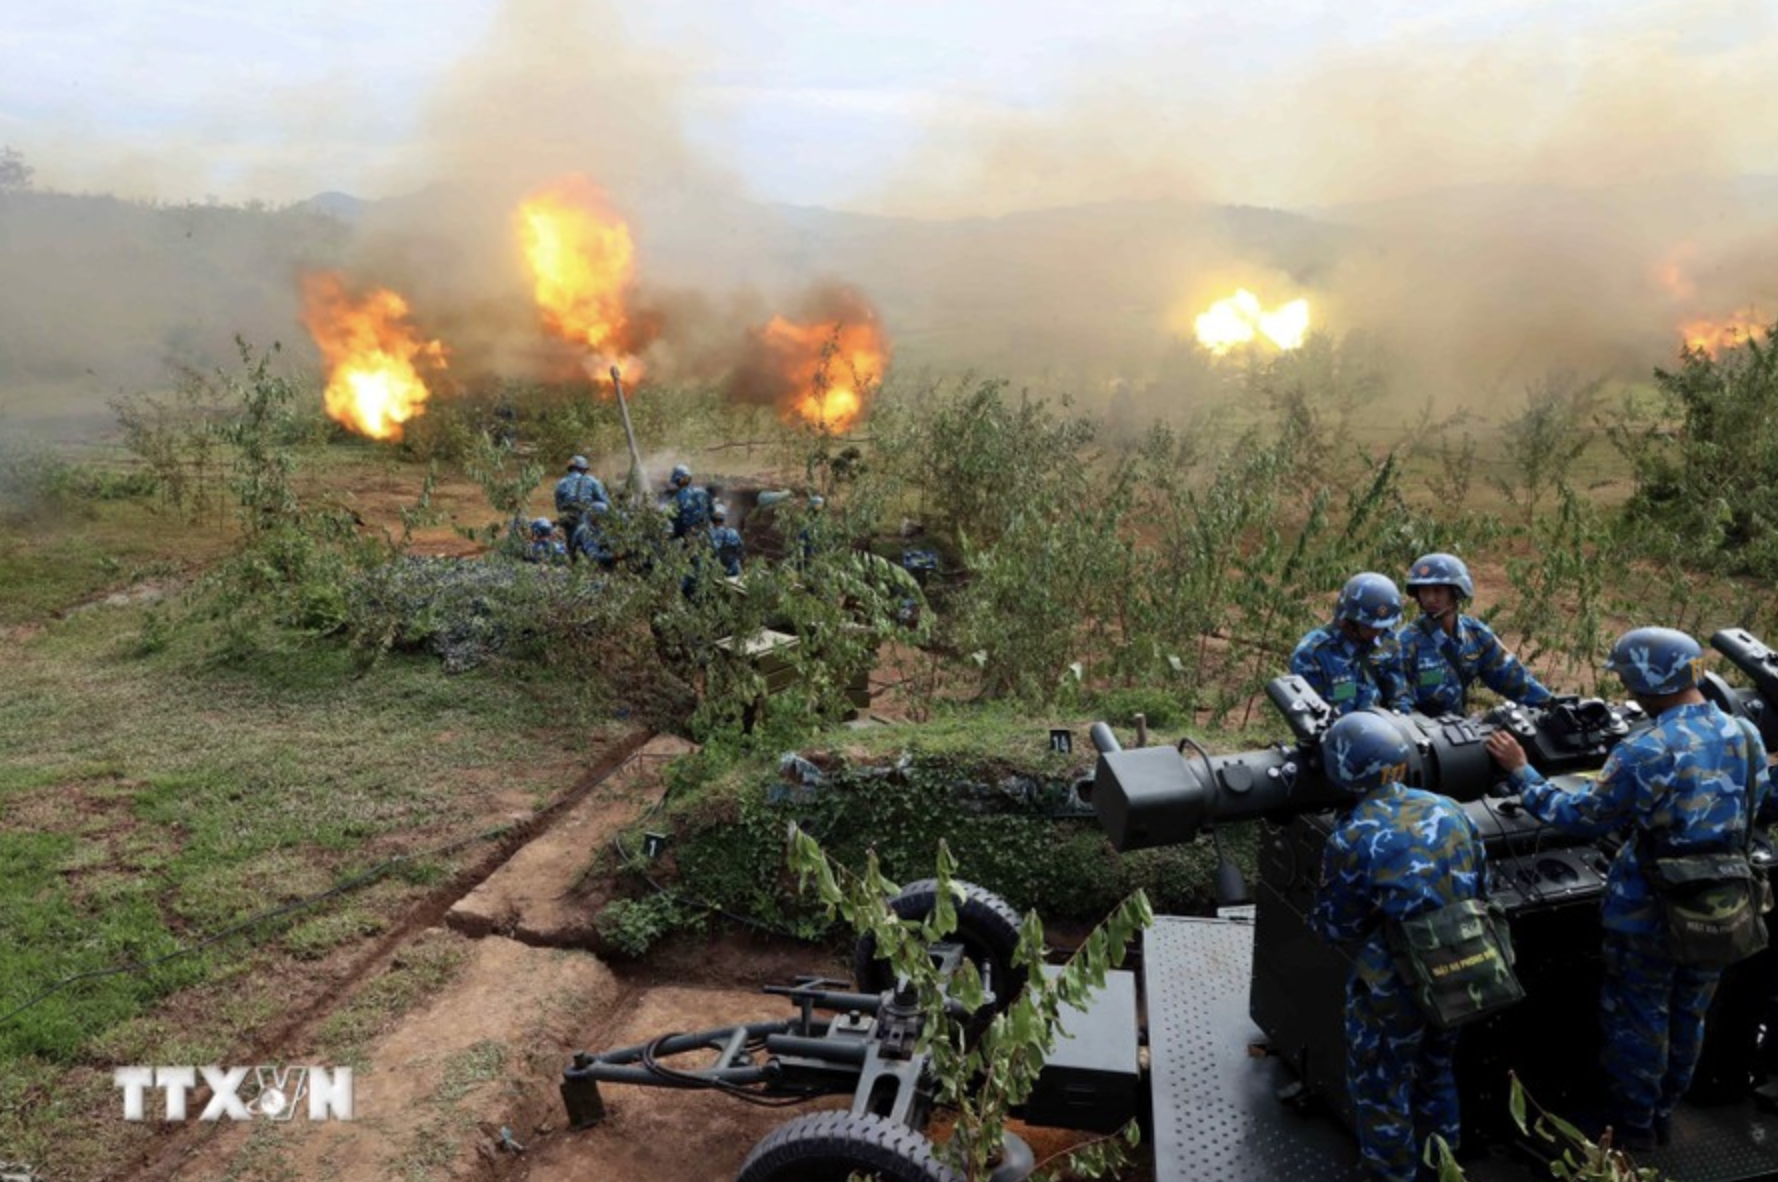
{"type": "Point", "coordinates": [1550, 883]}
{"type": "Point", "coordinates": [865, 1042]}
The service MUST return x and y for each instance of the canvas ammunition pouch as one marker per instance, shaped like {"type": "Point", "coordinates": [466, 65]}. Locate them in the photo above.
{"type": "Point", "coordinates": [1457, 961]}
{"type": "Point", "coordinates": [1713, 904]}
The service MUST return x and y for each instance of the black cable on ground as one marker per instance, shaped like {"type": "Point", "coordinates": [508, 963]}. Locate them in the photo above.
{"type": "Point", "coordinates": [672, 1077]}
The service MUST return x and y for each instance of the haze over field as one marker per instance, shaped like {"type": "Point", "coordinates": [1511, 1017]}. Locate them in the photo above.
{"type": "Point", "coordinates": [1488, 191]}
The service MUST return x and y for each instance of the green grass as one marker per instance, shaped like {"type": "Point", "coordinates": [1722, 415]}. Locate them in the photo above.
{"type": "Point", "coordinates": [219, 794]}
{"type": "Point", "coordinates": [147, 803]}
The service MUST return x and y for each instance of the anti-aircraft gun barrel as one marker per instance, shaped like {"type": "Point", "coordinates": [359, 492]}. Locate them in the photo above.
{"type": "Point", "coordinates": [1152, 796]}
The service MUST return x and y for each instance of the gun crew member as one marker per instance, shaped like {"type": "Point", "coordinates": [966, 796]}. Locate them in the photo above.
{"type": "Point", "coordinates": [725, 540]}
{"type": "Point", "coordinates": [1444, 652]}
{"type": "Point", "coordinates": [1687, 786]}
{"type": "Point", "coordinates": [1395, 853]}
{"type": "Point", "coordinates": [687, 504]}
{"type": "Point", "coordinates": [544, 547]}
{"type": "Point", "coordinates": [576, 494]}
{"type": "Point", "coordinates": [590, 540]}
{"type": "Point", "coordinates": [1353, 661]}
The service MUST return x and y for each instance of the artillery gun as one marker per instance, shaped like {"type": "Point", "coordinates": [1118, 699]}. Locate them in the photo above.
{"type": "Point", "coordinates": [1549, 883]}
{"type": "Point", "coordinates": [1242, 1015]}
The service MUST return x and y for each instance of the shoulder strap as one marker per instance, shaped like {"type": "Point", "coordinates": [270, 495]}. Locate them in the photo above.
{"type": "Point", "coordinates": [1752, 777]}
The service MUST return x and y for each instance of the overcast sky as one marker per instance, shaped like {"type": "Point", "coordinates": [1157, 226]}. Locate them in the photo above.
{"type": "Point", "coordinates": [901, 105]}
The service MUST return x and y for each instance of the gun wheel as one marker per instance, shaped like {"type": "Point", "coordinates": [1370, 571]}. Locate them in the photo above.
{"type": "Point", "coordinates": [835, 1146]}
{"type": "Point", "coordinates": [987, 927]}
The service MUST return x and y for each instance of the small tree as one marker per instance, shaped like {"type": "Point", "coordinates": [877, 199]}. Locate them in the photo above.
{"type": "Point", "coordinates": [15, 174]}
{"type": "Point", "coordinates": [983, 1078]}
{"type": "Point", "coordinates": [1548, 436]}
{"type": "Point", "coordinates": [1707, 466]}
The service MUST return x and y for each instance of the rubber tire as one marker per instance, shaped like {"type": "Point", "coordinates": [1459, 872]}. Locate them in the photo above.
{"type": "Point", "coordinates": [987, 927]}
{"type": "Point", "coordinates": [832, 1146]}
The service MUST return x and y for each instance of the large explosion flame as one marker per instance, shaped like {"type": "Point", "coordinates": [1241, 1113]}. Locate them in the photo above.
{"type": "Point", "coordinates": [371, 351]}
{"type": "Point", "coordinates": [822, 369]}
{"type": "Point", "coordinates": [1241, 319]}
{"type": "Point", "coordinates": [583, 262]}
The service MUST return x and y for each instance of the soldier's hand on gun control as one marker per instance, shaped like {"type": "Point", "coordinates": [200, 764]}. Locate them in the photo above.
{"type": "Point", "coordinates": [1506, 751]}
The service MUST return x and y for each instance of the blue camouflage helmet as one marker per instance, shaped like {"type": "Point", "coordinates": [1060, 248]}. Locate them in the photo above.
{"type": "Point", "coordinates": [1369, 599]}
{"type": "Point", "coordinates": [1441, 570]}
{"type": "Point", "coordinates": [1362, 751]}
{"type": "Point", "coordinates": [1656, 661]}
{"type": "Point", "coordinates": [681, 475]}
{"type": "Point", "coordinates": [543, 527]}
{"type": "Point", "coordinates": [578, 464]}
{"type": "Point", "coordinates": [719, 512]}
{"type": "Point", "coordinates": [816, 500]}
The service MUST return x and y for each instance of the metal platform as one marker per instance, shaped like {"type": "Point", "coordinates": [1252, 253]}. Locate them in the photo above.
{"type": "Point", "coordinates": [1216, 1109]}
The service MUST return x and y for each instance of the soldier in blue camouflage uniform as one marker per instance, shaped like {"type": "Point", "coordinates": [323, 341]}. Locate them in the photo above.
{"type": "Point", "coordinates": [725, 540]}
{"type": "Point", "coordinates": [1444, 652]}
{"type": "Point", "coordinates": [687, 503]}
{"type": "Point", "coordinates": [1681, 787]}
{"type": "Point", "coordinates": [590, 540]}
{"type": "Point", "coordinates": [1353, 661]}
{"type": "Point", "coordinates": [1395, 854]}
{"type": "Point", "coordinates": [576, 494]}
{"type": "Point", "coordinates": [544, 547]}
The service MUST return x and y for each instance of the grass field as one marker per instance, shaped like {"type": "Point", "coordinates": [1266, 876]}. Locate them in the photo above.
{"type": "Point", "coordinates": [153, 800]}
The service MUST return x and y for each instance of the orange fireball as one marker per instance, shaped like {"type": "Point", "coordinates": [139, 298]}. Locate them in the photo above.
{"type": "Point", "coordinates": [371, 351]}
{"type": "Point", "coordinates": [822, 368]}
{"type": "Point", "coordinates": [1714, 336]}
{"type": "Point", "coordinates": [829, 369]}
{"type": "Point", "coordinates": [583, 264]}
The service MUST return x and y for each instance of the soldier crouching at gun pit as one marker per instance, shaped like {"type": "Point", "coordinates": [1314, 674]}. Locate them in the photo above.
{"type": "Point", "coordinates": [1353, 661]}
{"type": "Point", "coordinates": [1444, 652]}
{"type": "Point", "coordinates": [1395, 854]}
{"type": "Point", "coordinates": [1684, 793]}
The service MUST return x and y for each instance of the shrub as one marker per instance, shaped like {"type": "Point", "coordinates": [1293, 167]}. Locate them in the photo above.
{"type": "Point", "coordinates": [1706, 466]}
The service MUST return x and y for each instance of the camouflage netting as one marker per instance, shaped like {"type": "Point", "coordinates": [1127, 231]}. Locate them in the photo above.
{"type": "Point", "coordinates": [468, 610]}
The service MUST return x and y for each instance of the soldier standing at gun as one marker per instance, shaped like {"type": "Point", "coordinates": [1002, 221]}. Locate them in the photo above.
{"type": "Point", "coordinates": [687, 503]}
{"type": "Point", "coordinates": [576, 494]}
{"type": "Point", "coordinates": [1395, 853]}
{"type": "Point", "coordinates": [1444, 652]}
{"type": "Point", "coordinates": [1690, 785]}
{"type": "Point", "coordinates": [1353, 661]}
